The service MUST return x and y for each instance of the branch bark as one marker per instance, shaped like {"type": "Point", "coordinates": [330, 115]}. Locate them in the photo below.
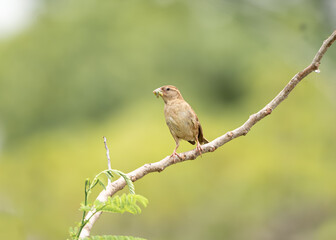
{"type": "Point", "coordinates": [159, 166]}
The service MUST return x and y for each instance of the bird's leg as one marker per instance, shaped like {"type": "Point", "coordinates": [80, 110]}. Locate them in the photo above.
{"type": "Point", "coordinates": [198, 147]}
{"type": "Point", "coordinates": [175, 153]}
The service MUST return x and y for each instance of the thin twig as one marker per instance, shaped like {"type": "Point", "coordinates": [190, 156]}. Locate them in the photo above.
{"type": "Point", "coordinates": [108, 157]}
{"type": "Point", "coordinates": [119, 184]}
{"type": "Point", "coordinates": [107, 154]}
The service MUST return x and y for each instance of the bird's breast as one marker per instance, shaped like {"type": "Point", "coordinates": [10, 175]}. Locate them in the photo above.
{"type": "Point", "coordinates": [180, 122]}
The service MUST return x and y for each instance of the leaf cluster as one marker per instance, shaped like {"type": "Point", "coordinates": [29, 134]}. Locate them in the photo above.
{"type": "Point", "coordinates": [110, 173]}
{"type": "Point", "coordinates": [121, 204]}
{"type": "Point", "coordinates": [117, 204]}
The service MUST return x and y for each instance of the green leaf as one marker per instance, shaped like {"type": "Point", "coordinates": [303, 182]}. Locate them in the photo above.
{"type": "Point", "coordinates": [98, 205]}
{"type": "Point", "coordinates": [127, 179]}
{"type": "Point", "coordinates": [87, 184]}
{"type": "Point", "coordinates": [94, 183]}
{"type": "Point", "coordinates": [109, 174]}
{"type": "Point", "coordinates": [123, 203]}
{"type": "Point", "coordinates": [85, 208]}
{"type": "Point", "coordinates": [101, 184]}
{"type": "Point", "coordinates": [142, 200]}
{"type": "Point", "coordinates": [73, 231]}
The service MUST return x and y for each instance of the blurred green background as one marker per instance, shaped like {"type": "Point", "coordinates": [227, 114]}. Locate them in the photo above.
{"type": "Point", "coordinates": [84, 69]}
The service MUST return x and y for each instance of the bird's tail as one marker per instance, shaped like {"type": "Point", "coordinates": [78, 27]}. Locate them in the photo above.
{"type": "Point", "coordinates": [204, 141]}
{"type": "Point", "coordinates": [201, 138]}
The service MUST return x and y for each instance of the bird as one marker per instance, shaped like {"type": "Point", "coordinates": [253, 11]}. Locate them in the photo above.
{"type": "Point", "coordinates": [181, 119]}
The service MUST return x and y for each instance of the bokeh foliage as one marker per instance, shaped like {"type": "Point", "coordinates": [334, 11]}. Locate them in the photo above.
{"type": "Point", "coordinates": [87, 69]}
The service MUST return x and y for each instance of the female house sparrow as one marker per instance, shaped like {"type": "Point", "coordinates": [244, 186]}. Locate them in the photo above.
{"type": "Point", "coordinates": [181, 119]}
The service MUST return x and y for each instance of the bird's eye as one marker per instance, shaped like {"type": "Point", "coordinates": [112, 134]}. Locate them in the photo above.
{"type": "Point", "coordinates": [168, 89]}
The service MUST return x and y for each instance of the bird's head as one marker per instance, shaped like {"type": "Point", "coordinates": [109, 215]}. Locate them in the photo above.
{"type": "Point", "coordinates": [168, 93]}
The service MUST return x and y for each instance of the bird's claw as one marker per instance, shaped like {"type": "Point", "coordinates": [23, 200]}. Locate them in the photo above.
{"type": "Point", "coordinates": [199, 149]}
{"type": "Point", "coordinates": [175, 154]}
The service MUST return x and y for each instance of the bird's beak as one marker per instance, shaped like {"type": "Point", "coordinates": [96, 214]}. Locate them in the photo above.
{"type": "Point", "coordinates": [158, 92]}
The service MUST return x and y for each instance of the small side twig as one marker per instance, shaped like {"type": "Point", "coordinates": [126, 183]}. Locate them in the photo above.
{"type": "Point", "coordinates": [108, 156]}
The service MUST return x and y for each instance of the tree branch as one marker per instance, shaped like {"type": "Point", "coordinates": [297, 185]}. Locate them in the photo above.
{"type": "Point", "coordinates": [135, 175]}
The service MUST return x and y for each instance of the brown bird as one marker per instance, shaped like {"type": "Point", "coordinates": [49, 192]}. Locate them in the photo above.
{"type": "Point", "coordinates": [181, 119]}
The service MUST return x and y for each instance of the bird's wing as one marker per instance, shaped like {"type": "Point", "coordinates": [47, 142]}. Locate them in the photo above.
{"type": "Point", "coordinates": [201, 138]}
{"type": "Point", "coordinates": [198, 126]}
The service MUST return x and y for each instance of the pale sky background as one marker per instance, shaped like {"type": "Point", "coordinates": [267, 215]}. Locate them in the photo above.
{"type": "Point", "coordinates": [15, 16]}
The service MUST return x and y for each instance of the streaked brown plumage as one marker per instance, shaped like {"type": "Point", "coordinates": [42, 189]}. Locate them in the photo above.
{"type": "Point", "coordinates": [181, 119]}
